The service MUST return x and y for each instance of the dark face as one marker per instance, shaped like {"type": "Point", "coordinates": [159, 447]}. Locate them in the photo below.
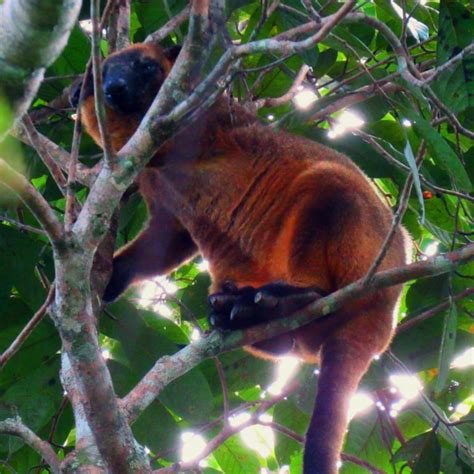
{"type": "Point", "coordinates": [131, 81]}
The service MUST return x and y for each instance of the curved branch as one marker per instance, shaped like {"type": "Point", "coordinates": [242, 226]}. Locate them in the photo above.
{"type": "Point", "coordinates": [289, 95]}
{"type": "Point", "coordinates": [84, 175]}
{"type": "Point", "coordinates": [32, 35]}
{"type": "Point", "coordinates": [168, 27]}
{"type": "Point", "coordinates": [27, 330]}
{"type": "Point", "coordinates": [110, 185]}
{"type": "Point", "coordinates": [33, 200]}
{"type": "Point", "coordinates": [169, 368]}
{"type": "Point", "coordinates": [15, 427]}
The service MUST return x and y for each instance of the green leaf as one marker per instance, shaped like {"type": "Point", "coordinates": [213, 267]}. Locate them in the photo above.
{"type": "Point", "coordinates": [411, 450]}
{"type": "Point", "coordinates": [286, 414]}
{"type": "Point", "coordinates": [441, 152]}
{"type": "Point", "coordinates": [324, 63]}
{"type": "Point", "coordinates": [448, 342]}
{"type": "Point", "coordinates": [235, 458]}
{"type": "Point", "coordinates": [34, 398]}
{"type": "Point", "coordinates": [190, 397]}
{"type": "Point", "coordinates": [416, 177]}
{"type": "Point", "coordinates": [19, 254]}
{"type": "Point", "coordinates": [157, 430]}
{"type": "Point", "coordinates": [451, 435]}
{"type": "Point", "coordinates": [72, 60]}
{"type": "Point", "coordinates": [366, 441]}
{"type": "Point", "coordinates": [194, 296]}
{"type": "Point", "coordinates": [153, 15]}
{"type": "Point", "coordinates": [430, 456]}
{"type": "Point", "coordinates": [455, 87]}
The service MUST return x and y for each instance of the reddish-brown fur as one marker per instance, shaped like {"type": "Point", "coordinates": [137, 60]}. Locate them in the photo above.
{"type": "Point", "coordinates": [264, 206]}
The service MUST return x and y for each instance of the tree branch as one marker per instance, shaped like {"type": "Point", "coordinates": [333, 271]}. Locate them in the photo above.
{"type": "Point", "coordinates": [119, 26]}
{"type": "Point", "coordinates": [292, 91]}
{"type": "Point", "coordinates": [397, 217]}
{"type": "Point", "coordinates": [467, 51]}
{"type": "Point", "coordinates": [21, 226]}
{"type": "Point", "coordinates": [32, 35]}
{"type": "Point", "coordinates": [110, 186]}
{"type": "Point", "coordinates": [99, 99]}
{"type": "Point", "coordinates": [33, 200]}
{"type": "Point", "coordinates": [169, 368]}
{"type": "Point", "coordinates": [408, 323]}
{"type": "Point", "coordinates": [15, 427]}
{"type": "Point", "coordinates": [85, 175]}
{"type": "Point", "coordinates": [355, 97]}
{"type": "Point", "coordinates": [101, 424]}
{"type": "Point", "coordinates": [43, 153]}
{"type": "Point", "coordinates": [27, 330]}
{"type": "Point", "coordinates": [227, 431]}
{"type": "Point", "coordinates": [169, 27]}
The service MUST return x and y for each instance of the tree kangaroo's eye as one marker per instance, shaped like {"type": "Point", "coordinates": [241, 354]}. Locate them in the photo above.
{"type": "Point", "coordinates": [149, 66]}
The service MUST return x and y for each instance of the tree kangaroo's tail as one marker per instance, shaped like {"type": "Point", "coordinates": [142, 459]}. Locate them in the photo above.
{"type": "Point", "coordinates": [343, 363]}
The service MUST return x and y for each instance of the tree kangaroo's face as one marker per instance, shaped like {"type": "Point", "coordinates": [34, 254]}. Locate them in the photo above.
{"type": "Point", "coordinates": [132, 77]}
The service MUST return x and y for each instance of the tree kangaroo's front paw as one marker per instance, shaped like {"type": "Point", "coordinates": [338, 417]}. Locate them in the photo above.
{"type": "Point", "coordinates": [235, 308]}
{"type": "Point", "coordinates": [232, 308]}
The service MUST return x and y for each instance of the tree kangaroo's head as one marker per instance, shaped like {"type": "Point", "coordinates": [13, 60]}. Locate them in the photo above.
{"type": "Point", "coordinates": [132, 77]}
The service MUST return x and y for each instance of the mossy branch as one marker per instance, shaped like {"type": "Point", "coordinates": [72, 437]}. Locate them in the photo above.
{"type": "Point", "coordinates": [169, 368]}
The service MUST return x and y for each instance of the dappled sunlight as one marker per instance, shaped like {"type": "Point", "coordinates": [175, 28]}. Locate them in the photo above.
{"type": "Point", "coordinates": [464, 360]}
{"type": "Point", "coordinates": [347, 121]}
{"type": "Point", "coordinates": [304, 98]}
{"type": "Point", "coordinates": [409, 386]}
{"type": "Point", "coordinates": [285, 370]}
{"type": "Point", "coordinates": [153, 294]}
{"type": "Point", "coordinates": [360, 403]}
{"type": "Point", "coordinates": [192, 446]}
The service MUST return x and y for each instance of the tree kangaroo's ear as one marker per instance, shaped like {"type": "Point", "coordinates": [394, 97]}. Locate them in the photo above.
{"type": "Point", "coordinates": [75, 90]}
{"type": "Point", "coordinates": [172, 52]}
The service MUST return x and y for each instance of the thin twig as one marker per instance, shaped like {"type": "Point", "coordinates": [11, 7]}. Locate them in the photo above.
{"type": "Point", "coordinates": [227, 431]}
{"type": "Point", "coordinates": [85, 175]}
{"type": "Point", "coordinates": [33, 200]}
{"type": "Point", "coordinates": [408, 323]}
{"type": "Point", "coordinates": [454, 121]}
{"type": "Point", "coordinates": [360, 462]}
{"type": "Point", "coordinates": [225, 390]}
{"type": "Point", "coordinates": [439, 415]}
{"type": "Point", "coordinates": [292, 91]}
{"type": "Point", "coordinates": [373, 142]}
{"type": "Point", "coordinates": [65, 77]}
{"type": "Point", "coordinates": [355, 97]}
{"type": "Point", "coordinates": [27, 330]}
{"type": "Point", "coordinates": [98, 89]}
{"type": "Point", "coordinates": [467, 51]}
{"type": "Point", "coordinates": [55, 419]}
{"type": "Point", "coordinates": [15, 427]}
{"type": "Point", "coordinates": [22, 226]}
{"type": "Point", "coordinates": [74, 165]}
{"type": "Point", "coordinates": [43, 153]}
{"type": "Point", "coordinates": [169, 368]}
{"type": "Point", "coordinates": [397, 218]}
{"type": "Point", "coordinates": [70, 214]}
{"type": "Point", "coordinates": [169, 27]}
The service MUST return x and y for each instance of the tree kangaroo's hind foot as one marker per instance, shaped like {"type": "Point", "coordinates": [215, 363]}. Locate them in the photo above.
{"type": "Point", "coordinates": [238, 308]}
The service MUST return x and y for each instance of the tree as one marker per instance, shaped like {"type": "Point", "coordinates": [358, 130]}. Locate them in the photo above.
{"type": "Point", "coordinates": [94, 389]}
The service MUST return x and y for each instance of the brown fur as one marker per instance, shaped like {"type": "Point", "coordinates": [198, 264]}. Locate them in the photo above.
{"type": "Point", "coordinates": [264, 206]}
